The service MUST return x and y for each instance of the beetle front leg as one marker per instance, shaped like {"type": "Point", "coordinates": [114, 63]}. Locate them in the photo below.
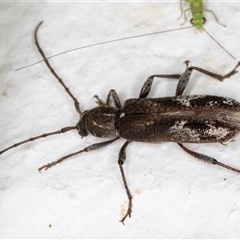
{"type": "Point", "coordinates": [121, 160]}
{"type": "Point", "coordinates": [112, 94]}
{"type": "Point", "coordinates": [90, 148]}
{"type": "Point", "coordinates": [207, 159]}
{"type": "Point", "coordinates": [116, 101]}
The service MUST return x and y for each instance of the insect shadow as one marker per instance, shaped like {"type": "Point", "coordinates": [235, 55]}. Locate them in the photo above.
{"type": "Point", "coordinates": [180, 119]}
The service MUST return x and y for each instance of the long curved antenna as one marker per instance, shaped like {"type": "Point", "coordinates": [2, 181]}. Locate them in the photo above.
{"type": "Point", "coordinates": [63, 130]}
{"type": "Point", "coordinates": [102, 43]}
{"type": "Point", "coordinates": [76, 103]}
{"type": "Point", "coordinates": [218, 43]}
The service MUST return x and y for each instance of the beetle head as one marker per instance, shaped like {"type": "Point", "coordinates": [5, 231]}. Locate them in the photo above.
{"type": "Point", "coordinates": [81, 127]}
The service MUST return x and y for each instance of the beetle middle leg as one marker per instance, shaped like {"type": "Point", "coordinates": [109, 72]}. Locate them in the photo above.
{"type": "Point", "coordinates": [148, 84]}
{"type": "Point", "coordinates": [121, 160]}
{"type": "Point", "coordinates": [183, 78]}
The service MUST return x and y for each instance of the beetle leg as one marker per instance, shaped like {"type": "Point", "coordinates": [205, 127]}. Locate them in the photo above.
{"type": "Point", "coordinates": [182, 83]}
{"type": "Point", "coordinates": [116, 101]}
{"type": "Point", "coordinates": [207, 159]}
{"type": "Point", "coordinates": [184, 79]}
{"type": "Point", "coordinates": [112, 94]}
{"type": "Point", "coordinates": [214, 75]}
{"type": "Point", "coordinates": [121, 160]}
{"type": "Point", "coordinates": [148, 84]}
{"type": "Point", "coordinates": [90, 148]}
{"type": "Point", "coordinates": [99, 101]}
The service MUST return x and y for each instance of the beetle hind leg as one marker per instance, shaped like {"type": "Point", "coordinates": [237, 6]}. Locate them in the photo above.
{"type": "Point", "coordinates": [207, 159]}
{"type": "Point", "coordinates": [217, 76]}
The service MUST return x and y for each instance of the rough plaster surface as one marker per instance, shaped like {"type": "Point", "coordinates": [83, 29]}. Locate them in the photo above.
{"type": "Point", "coordinates": [175, 196]}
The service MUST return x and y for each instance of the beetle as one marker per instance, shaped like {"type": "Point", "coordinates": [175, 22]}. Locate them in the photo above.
{"type": "Point", "coordinates": [180, 119]}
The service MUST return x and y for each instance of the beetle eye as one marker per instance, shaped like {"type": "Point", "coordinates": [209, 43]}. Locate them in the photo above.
{"type": "Point", "coordinates": [82, 129]}
{"type": "Point", "coordinates": [192, 21]}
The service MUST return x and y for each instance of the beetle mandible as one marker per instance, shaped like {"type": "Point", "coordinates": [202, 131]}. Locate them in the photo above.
{"type": "Point", "coordinates": [180, 119]}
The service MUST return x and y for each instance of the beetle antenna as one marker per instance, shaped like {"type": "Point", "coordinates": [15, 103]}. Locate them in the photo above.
{"type": "Point", "coordinates": [76, 103]}
{"type": "Point", "coordinates": [63, 130]}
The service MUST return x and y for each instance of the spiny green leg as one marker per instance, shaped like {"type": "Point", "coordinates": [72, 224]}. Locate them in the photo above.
{"type": "Point", "coordinates": [208, 10]}
{"type": "Point", "coordinates": [183, 12]}
{"type": "Point", "coordinates": [181, 7]}
{"type": "Point", "coordinates": [185, 16]}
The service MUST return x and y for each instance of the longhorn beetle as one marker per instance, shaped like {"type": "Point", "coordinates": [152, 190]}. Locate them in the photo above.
{"type": "Point", "coordinates": [180, 119]}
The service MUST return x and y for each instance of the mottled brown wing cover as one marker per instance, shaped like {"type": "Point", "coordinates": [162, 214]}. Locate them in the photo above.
{"type": "Point", "coordinates": [185, 119]}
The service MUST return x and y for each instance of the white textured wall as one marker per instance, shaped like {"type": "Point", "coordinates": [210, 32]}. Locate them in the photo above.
{"type": "Point", "coordinates": [174, 195]}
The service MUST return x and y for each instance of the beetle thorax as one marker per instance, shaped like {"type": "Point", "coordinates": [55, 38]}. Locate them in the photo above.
{"type": "Point", "coordinates": [99, 121]}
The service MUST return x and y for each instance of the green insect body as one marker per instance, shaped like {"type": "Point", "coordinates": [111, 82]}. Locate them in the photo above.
{"type": "Point", "coordinates": [197, 9]}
